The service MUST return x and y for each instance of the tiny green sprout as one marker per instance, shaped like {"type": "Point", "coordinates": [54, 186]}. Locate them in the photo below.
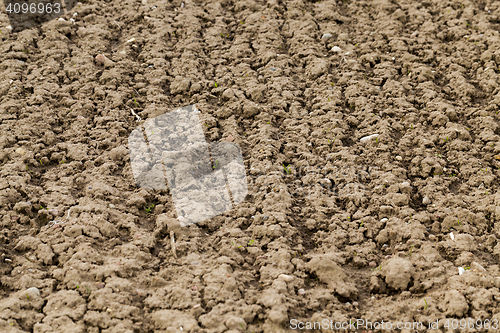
{"type": "Point", "coordinates": [268, 122]}
{"type": "Point", "coordinates": [426, 306]}
{"type": "Point", "coordinates": [88, 289]}
{"type": "Point", "coordinates": [27, 296]}
{"type": "Point", "coordinates": [468, 267]}
{"type": "Point", "coordinates": [361, 224]}
{"type": "Point", "coordinates": [411, 250]}
{"type": "Point", "coordinates": [216, 164]}
{"type": "Point", "coordinates": [287, 168]}
{"type": "Point", "coordinates": [458, 222]}
{"type": "Point", "coordinates": [62, 161]}
{"type": "Point", "coordinates": [41, 162]}
{"type": "Point", "coordinates": [251, 242]}
{"type": "Point", "coordinates": [240, 246]}
{"type": "Point", "coordinates": [215, 83]}
{"type": "Point", "coordinates": [148, 209]}
{"type": "Point", "coordinates": [355, 254]}
{"type": "Point", "coordinates": [242, 326]}
{"type": "Point", "coordinates": [232, 243]}
{"type": "Point", "coordinates": [411, 126]}
{"type": "Point", "coordinates": [328, 140]}
{"type": "Point", "coordinates": [27, 168]}
{"type": "Point", "coordinates": [376, 140]}
{"type": "Point", "coordinates": [329, 99]}
{"type": "Point", "coordinates": [77, 287]}
{"type": "Point", "coordinates": [221, 34]}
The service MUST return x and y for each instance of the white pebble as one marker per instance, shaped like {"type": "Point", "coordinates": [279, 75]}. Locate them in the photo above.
{"type": "Point", "coordinates": [368, 138]}
{"type": "Point", "coordinates": [452, 236]}
{"type": "Point", "coordinates": [35, 290]}
{"type": "Point", "coordinates": [460, 271]}
{"type": "Point", "coordinates": [336, 49]}
{"type": "Point", "coordinates": [302, 291]}
{"type": "Point", "coordinates": [383, 220]}
{"type": "Point", "coordinates": [326, 36]}
{"type": "Point", "coordinates": [426, 200]}
{"type": "Point", "coordinates": [286, 278]}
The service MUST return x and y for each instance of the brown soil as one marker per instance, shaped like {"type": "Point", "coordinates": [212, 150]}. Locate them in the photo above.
{"type": "Point", "coordinates": [374, 229]}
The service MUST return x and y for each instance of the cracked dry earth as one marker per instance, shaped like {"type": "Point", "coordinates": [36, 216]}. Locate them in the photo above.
{"type": "Point", "coordinates": [333, 226]}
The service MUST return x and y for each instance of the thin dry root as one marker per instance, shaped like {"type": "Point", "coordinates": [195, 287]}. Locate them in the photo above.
{"type": "Point", "coordinates": [172, 240]}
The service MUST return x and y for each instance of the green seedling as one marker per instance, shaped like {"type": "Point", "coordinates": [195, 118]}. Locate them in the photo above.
{"type": "Point", "coordinates": [355, 254]}
{"type": "Point", "coordinates": [216, 164]}
{"type": "Point", "coordinates": [88, 290]}
{"type": "Point", "coordinates": [27, 169]}
{"type": "Point", "coordinates": [361, 224]}
{"type": "Point", "coordinates": [426, 305]}
{"type": "Point", "coordinates": [329, 99]}
{"type": "Point", "coordinates": [468, 267]}
{"type": "Point", "coordinates": [447, 139]}
{"type": "Point", "coordinates": [148, 209]}
{"type": "Point", "coordinates": [328, 140]}
{"type": "Point", "coordinates": [411, 250]}
{"type": "Point", "coordinates": [41, 207]}
{"type": "Point", "coordinates": [41, 162]}
{"type": "Point", "coordinates": [251, 242]}
{"type": "Point", "coordinates": [62, 161]}
{"type": "Point", "coordinates": [215, 83]}
{"type": "Point", "coordinates": [376, 140]}
{"type": "Point", "coordinates": [287, 168]}
{"type": "Point", "coordinates": [27, 296]}
{"type": "Point", "coordinates": [77, 287]}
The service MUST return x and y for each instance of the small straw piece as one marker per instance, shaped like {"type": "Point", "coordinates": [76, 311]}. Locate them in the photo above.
{"type": "Point", "coordinates": [135, 114]}
{"type": "Point", "coordinates": [172, 240]}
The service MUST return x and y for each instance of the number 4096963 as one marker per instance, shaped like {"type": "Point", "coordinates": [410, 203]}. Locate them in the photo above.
{"type": "Point", "coordinates": [33, 8]}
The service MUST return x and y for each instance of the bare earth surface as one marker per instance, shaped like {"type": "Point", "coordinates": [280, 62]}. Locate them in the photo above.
{"type": "Point", "coordinates": [333, 227]}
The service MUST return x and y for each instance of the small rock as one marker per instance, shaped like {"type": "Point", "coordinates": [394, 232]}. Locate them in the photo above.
{"type": "Point", "coordinates": [461, 271]}
{"type": "Point", "coordinates": [383, 220]}
{"type": "Point", "coordinates": [61, 19]}
{"type": "Point", "coordinates": [336, 49]}
{"type": "Point", "coordinates": [426, 200]}
{"type": "Point", "coordinates": [368, 138]}
{"type": "Point", "coordinates": [302, 292]}
{"type": "Point", "coordinates": [20, 151]}
{"type": "Point", "coordinates": [102, 60]}
{"type": "Point", "coordinates": [326, 36]}
{"type": "Point", "coordinates": [230, 138]}
{"type": "Point", "coordinates": [372, 264]}
{"type": "Point", "coordinates": [476, 266]}
{"type": "Point", "coordinates": [405, 184]}
{"type": "Point", "coordinates": [111, 206]}
{"type": "Point", "coordinates": [34, 289]}
{"type": "Point", "coordinates": [399, 158]}
{"type": "Point", "coordinates": [286, 278]}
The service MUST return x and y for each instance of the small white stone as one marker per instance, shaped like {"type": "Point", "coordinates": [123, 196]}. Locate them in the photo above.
{"type": "Point", "coordinates": [34, 289]}
{"type": "Point", "coordinates": [286, 278]}
{"type": "Point", "coordinates": [426, 200]}
{"type": "Point", "coordinates": [111, 206]}
{"type": "Point", "coordinates": [368, 138]}
{"type": "Point", "coordinates": [405, 184]}
{"type": "Point", "coordinates": [383, 220]}
{"type": "Point", "coordinates": [460, 271]}
{"type": "Point", "coordinates": [326, 36]}
{"type": "Point", "coordinates": [302, 291]}
{"type": "Point", "coordinates": [452, 236]}
{"type": "Point", "coordinates": [9, 27]}
{"type": "Point", "coordinates": [399, 158]}
{"type": "Point", "coordinates": [336, 49]}
{"type": "Point", "coordinates": [61, 19]}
